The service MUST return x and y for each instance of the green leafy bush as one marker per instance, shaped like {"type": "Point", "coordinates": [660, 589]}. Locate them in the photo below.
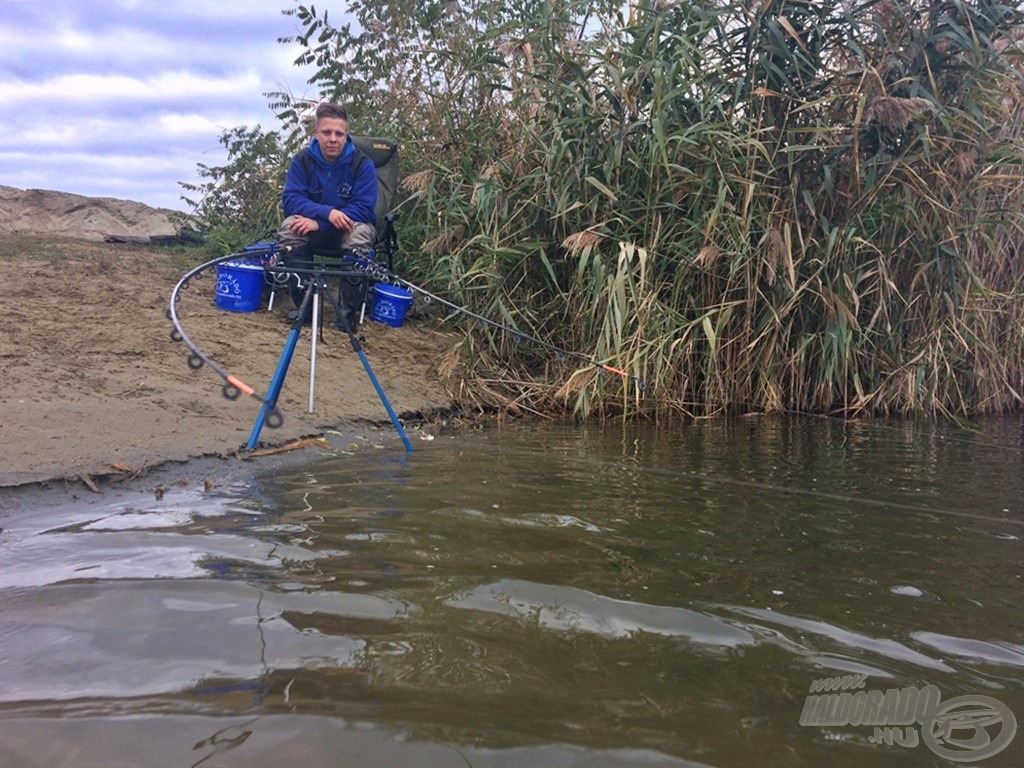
{"type": "Point", "coordinates": [238, 203]}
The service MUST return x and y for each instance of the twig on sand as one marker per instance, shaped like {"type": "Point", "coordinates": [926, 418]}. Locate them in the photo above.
{"type": "Point", "coordinates": [292, 446]}
{"type": "Point", "coordinates": [89, 483]}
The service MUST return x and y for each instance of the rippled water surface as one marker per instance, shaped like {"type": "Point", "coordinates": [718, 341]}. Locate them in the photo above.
{"type": "Point", "coordinates": [535, 596]}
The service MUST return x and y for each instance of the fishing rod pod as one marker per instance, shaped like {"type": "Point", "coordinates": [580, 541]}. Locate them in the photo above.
{"type": "Point", "coordinates": [364, 269]}
{"type": "Point", "coordinates": [233, 388]}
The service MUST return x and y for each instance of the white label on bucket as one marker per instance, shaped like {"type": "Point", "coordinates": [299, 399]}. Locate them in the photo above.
{"type": "Point", "coordinates": [227, 285]}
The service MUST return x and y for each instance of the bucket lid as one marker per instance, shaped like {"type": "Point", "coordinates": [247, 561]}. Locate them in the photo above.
{"type": "Point", "coordinates": [242, 265]}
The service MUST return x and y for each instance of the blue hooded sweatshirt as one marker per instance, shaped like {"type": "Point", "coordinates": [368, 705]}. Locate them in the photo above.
{"type": "Point", "coordinates": [313, 187]}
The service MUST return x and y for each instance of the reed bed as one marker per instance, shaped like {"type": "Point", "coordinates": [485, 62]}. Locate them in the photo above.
{"type": "Point", "coordinates": [774, 206]}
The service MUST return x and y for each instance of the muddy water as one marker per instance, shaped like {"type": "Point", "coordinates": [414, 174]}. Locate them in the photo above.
{"type": "Point", "coordinates": [541, 596]}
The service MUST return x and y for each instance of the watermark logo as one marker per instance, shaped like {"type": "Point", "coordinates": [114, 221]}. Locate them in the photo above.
{"type": "Point", "coordinates": [961, 729]}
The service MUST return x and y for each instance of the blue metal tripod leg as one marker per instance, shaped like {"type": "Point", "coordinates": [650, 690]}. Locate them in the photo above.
{"type": "Point", "coordinates": [383, 398]}
{"type": "Point", "coordinates": [276, 383]}
{"type": "Point", "coordinates": [344, 323]}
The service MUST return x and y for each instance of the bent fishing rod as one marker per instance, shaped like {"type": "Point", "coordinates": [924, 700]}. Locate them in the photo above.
{"type": "Point", "coordinates": [233, 387]}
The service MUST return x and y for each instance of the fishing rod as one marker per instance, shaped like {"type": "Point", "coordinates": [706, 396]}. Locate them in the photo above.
{"type": "Point", "coordinates": [387, 275]}
{"type": "Point", "coordinates": [233, 387]}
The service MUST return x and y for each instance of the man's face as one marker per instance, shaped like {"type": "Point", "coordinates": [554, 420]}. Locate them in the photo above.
{"type": "Point", "coordinates": [332, 133]}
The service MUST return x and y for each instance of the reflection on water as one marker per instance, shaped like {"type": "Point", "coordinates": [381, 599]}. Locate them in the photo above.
{"type": "Point", "coordinates": [560, 596]}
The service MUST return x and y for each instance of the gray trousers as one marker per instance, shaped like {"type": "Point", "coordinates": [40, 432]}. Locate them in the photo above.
{"type": "Point", "coordinates": [359, 241]}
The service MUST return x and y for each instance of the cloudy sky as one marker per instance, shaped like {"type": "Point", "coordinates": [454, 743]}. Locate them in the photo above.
{"type": "Point", "coordinates": [123, 98]}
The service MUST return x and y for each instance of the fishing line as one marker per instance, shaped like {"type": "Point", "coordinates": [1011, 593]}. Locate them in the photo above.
{"type": "Point", "coordinates": [389, 276]}
{"type": "Point", "coordinates": [817, 494]}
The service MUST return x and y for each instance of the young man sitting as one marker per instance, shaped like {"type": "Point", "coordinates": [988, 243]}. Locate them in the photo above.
{"type": "Point", "coordinates": [329, 197]}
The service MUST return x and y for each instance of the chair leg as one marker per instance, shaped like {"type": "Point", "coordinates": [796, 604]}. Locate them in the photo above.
{"type": "Point", "coordinates": [312, 349]}
{"type": "Point", "coordinates": [364, 290]}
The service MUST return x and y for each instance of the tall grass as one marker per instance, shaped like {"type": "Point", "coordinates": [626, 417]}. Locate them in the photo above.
{"type": "Point", "coordinates": [773, 206]}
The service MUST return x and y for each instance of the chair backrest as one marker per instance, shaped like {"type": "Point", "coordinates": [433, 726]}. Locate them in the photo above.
{"type": "Point", "coordinates": [384, 154]}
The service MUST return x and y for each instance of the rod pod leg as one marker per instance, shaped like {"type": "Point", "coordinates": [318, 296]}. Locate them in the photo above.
{"type": "Point", "coordinates": [275, 388]}
{"type": "Point", "coordinates": [277, 382]}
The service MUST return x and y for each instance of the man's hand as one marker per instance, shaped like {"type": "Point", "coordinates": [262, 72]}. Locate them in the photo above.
{"type": "Point", "coordinates": [301, 225]}
{"type": "Point", "coordinates": [340, 221]}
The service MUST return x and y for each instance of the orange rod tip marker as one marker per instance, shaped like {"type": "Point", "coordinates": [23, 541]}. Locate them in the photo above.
{"type": "Point", "coordinates": [241, 386]}
{"type": "Point", "coordinates": [614, 370]}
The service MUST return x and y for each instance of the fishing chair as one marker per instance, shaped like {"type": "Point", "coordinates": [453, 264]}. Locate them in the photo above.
{"type": "Point", "coordinates": [383, 153]}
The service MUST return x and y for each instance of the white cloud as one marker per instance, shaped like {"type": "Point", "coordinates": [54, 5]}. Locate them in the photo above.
{"type": "Point", "coordinates": [96, 89]}
{"type": "Point", "coordinates": [124, 98]}
{"type": "Point", "coordinates": [185, 125]}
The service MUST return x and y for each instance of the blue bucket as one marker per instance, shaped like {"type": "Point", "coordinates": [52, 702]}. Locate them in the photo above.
{"type": "Point", "coordinates": [239, 285]}
{"type": "Point", "coordinates": [390, 303]}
